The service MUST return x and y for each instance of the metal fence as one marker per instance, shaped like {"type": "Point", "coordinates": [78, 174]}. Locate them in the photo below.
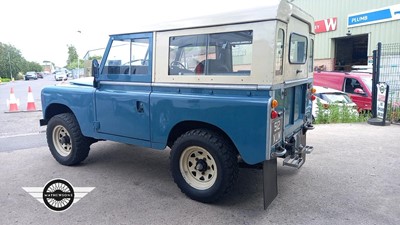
{"type": "Point", "coordinates": [389, 72]}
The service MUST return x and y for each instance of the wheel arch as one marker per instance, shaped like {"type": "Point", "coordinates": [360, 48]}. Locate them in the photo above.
{"type": "Point", "coordinates": [185, 126]}
{"type": "Point", "coordinates": [55, 109]}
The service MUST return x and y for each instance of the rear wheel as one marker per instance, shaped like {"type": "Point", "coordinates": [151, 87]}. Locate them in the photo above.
{"type": "Point", "coordinates": [203, 165]}
{"type": "Point", "coordinates": [66, 142]}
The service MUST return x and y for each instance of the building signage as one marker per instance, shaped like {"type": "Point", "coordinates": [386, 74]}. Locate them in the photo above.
{"type": "Point", "coordinates": [325, 25]}
{"type": "Point", "coordinates": [385, 14]}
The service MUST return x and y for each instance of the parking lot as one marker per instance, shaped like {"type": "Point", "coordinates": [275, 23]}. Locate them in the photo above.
{"type": "Point", "coordinates": [352, 177]}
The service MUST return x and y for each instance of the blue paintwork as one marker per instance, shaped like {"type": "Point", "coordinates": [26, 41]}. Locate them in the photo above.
{"type": "Point", "coordinates": [295, 106]}
{"type": "Point", "coordinates": [242, 117]}
{"type": "Point", "coordinates": [78, 98]}
{"type": "Point", "coordinates": [117, 111]}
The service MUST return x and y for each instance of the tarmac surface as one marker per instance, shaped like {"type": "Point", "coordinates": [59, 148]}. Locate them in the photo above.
{"type": "Point", "coordinates": [352, 177]}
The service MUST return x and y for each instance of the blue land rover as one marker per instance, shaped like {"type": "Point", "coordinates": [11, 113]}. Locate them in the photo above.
{"type": "Point", "coordinates": [217, 91]}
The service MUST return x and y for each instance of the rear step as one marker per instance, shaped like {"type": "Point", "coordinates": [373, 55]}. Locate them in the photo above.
{"type": "Point", "coordinates": [298, 160]}
{"type": "Point", "coordinates": [308, 149]}
{"type": "Point", "coordinates": [295, 162]}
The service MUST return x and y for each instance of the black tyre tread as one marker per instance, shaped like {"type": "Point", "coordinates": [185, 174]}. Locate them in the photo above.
{"type": "Point", "coordinates": [228, 161]}
{"type": "Point", "coordinates": [81, 144]}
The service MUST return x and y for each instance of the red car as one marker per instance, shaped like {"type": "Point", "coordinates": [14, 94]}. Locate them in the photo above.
{"type": "Point", "coordinates": [357, 85]}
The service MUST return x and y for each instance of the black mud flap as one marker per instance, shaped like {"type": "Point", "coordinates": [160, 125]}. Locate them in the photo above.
{"type": "Point", "coordinates": [270, 181]}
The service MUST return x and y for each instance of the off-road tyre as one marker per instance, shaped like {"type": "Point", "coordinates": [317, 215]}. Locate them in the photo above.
{"type": "Point", "coordinates": [199, 149]}
{"type": "Point", "coordinates": [65, 140]}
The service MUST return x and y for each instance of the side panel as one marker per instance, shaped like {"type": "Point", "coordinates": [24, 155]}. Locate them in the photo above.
{"type": "Point", "coordinates": [329, 79]}
{"type": "Point", "coordinates": [242, 115]}
{"type": "Point", "coordinates": [77, 98]}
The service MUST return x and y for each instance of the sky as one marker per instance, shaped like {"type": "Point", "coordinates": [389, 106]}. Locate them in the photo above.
{"type": "Point", "coordinates": [42, 29]}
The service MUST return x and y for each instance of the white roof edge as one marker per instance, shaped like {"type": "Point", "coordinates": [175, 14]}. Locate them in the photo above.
{"type": "Point", "coordinates": [272, 10]}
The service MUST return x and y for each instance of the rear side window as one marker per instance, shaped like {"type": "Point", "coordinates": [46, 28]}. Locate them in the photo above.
{"type": "Point", "coordinates": [298, 49]}
{"type": "Point", "coordinates": [211, 54]}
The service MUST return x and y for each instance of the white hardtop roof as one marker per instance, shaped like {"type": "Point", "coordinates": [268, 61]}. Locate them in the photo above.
{"type": "Point", "coordinates": [272, 10]}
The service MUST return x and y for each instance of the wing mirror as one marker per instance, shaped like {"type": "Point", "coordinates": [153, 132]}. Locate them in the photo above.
{"type": "Point", "coordinates": [359, 91]}
{"type": "Point", "coordinates": [95, 72]}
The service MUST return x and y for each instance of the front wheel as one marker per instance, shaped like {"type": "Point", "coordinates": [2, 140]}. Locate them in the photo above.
{"type": "Point", "coordinates": [66, 142]}
{"type": "Point", "coordinates": [203, 165]}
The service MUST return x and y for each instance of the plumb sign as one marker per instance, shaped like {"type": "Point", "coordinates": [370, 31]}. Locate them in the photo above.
{"type": "Point", "coordinates": [374, 16]}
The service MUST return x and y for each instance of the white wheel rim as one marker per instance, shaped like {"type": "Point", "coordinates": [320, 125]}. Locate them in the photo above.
{"type": "Point", "coordinates": [198, 167]}
{"type": "Point", "coordinates": [62, 140]}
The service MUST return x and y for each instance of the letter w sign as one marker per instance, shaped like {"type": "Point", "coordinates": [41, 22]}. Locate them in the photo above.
{"type": "Point", "coordinates": [326, 25]}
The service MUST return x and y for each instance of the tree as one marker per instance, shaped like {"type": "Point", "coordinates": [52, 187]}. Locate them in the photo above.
{"type": "Point", "coordinates": [12, 62]}
{"type": "Point", "coordinates": [98, 57]}
{"type": "Point", "coordinates": [33, 66]}
{"type": "Point", "coordinates": [72, 56]}
{"type": "Point", "coordinates": [74, 64]}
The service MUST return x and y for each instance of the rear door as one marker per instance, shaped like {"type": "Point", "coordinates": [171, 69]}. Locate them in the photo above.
{"type": "Point", "coordinates": [298, 33]}
{"type": "Point", "coordinates": [295, 74]}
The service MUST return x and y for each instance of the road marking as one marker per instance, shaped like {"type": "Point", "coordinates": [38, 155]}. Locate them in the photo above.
{"type": "Point", "coordinates": [21, 135]}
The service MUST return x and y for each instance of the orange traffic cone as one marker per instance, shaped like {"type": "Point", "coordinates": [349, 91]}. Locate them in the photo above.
{"type": "Point", "coordinates": [31, 101]}
{"type": "Point", "coordinates": [13, 102]}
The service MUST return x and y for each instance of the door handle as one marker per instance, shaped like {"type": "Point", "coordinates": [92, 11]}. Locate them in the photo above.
{"type": "Point", "coordinates": [139, 106]}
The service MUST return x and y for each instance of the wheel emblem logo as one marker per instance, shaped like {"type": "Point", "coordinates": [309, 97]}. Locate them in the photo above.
{"type": "Point", "coordinates": [58, 195]}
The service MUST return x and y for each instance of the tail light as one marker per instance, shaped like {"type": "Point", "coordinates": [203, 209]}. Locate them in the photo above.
{"type": "Point", "coordinates": [312, 91]}
{"type": "Point", "coordinates": [274, 103]}
{"type": "Point", "coordinates": [274, 113]}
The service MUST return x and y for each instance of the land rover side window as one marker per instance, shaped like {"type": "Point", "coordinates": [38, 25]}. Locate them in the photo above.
{"type": "Point", "coordinates": [211, 54]}
{"type": "Point", "coordinates": [298, 49]}
{"type": "Point", "coordinates": [280, 41]}
{"type": "Point", "coordinates": [128, 57]}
